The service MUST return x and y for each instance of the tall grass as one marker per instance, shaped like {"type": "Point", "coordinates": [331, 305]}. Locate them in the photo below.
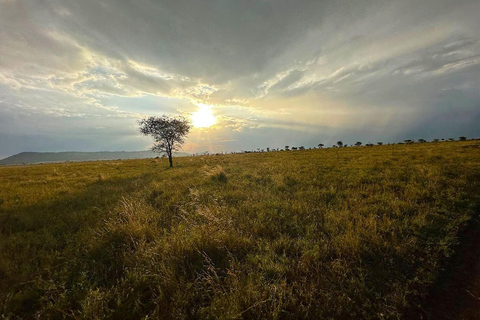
{"type": "Point", "coordinates": [318, 234]}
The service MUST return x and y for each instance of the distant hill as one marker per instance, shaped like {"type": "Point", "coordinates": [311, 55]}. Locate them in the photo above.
{"type": "Point", "coordinates": [44, 157]}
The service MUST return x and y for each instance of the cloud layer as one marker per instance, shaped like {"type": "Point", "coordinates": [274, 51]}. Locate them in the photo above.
{"type": "Point", "coordinates": [76, 75]}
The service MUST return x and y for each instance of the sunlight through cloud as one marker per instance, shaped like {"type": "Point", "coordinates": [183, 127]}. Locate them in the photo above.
{"type": "Point", "coordinates": [203, 117]}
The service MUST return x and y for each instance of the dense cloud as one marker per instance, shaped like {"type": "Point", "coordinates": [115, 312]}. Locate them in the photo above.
{"type": "Point", "coordinates": [76, 75]}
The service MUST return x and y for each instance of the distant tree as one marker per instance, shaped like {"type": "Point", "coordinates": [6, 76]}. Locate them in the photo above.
{"type": "Point", "coordinates": [320, 145]}
{"type": "Point", "coordinates": [358, 143]}
{"type": "Point", "coordinates": [462, 138]}
{"type": "Point", "coordinates": [268, 149]}
{"type": "Point", "coordinates": [339, 144]}
{"type": "Point", "coordinates": [167, 132]}
{"type": "Point", "coordinates": [451, 139]}
{"type": "Point", "coordinates": [408, 141]}
{"type": "Point", "coordinates": [380, 143]}
{"type": "Point", "coordinates": [294, 148]}
{"type": "Point", "coordinates": [422, 140]}
{"type": "Point", "coordinates": [301, 148]}
{"type": "Point", "coordinates": [369, 144]}
{"type": "Point", "coordinates": [287, 148]}
{"type": "Point", "coordinates": [435, 140]}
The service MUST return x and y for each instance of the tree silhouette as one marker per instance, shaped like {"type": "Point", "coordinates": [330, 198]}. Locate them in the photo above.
{"type": "Point", "coordinates": [339, 144]}
{"type": "Point", "coordinates": [358, 143]}
{"type": "Point", "coordinates": [462, 138]}
{"type": "Point", "coordinates": [167, 132]}
{"type": "Point", "coordinates": [287, 148]}
{"type": "Point", "coordinates": [320, 145]}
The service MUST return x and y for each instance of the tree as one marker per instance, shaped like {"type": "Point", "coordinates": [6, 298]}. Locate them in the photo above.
{"type": "Point", "coordinates": [422, 140]}
{"type": "Point", "coordinates": [301, 148]}
{"type": "Point", "coordinates": [167, 132]}
{"type": "Point", "coordinates": [462, 138]}
{"type": "Point", "coordinates": [380, 143]}
{"type": "Point", "coordinates": [320, 145]}
{"type": "Point", "coordinates": [358, 143]}
{"type": "Point", "coordinates": [340, 144]}
{"type": "Point", "coordinates": [287, 148]}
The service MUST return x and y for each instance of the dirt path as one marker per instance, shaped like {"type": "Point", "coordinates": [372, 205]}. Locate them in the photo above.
{"type": "Point", "coordinates": [457, 295]}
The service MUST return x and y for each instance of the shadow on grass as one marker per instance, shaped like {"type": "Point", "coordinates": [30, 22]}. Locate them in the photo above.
{"type": "Point", "coordinates": [70, 211]}
{"type": "Point", "coordinates": [456, 292]}
{"type": "Point", "coordinates": [38, 242]}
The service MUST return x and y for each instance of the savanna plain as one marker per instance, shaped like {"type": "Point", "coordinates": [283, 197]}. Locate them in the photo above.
{"type": "Point", "coordinates": [338, 233]}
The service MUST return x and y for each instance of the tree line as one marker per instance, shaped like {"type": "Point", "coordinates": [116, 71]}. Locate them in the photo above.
{"type": "Point", "coordinates": [169, 134]}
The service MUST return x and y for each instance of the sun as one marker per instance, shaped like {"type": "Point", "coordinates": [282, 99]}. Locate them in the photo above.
{"type": "Point", "coordinates": [203, 117]}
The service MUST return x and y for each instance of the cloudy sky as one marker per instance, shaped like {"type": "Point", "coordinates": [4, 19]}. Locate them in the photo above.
{"type": "Point", "coordinates": [77, 75]}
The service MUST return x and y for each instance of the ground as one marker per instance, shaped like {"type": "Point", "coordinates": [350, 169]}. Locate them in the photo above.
{"type": "Point", "coordinates": [357, 232]}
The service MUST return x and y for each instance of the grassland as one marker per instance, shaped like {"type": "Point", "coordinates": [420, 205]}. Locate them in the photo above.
{"type": "Point", "coordinates": [347, 233]}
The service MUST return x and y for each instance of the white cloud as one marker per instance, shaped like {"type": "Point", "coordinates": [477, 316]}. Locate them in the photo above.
{"type": "Point", "coordinates": [266, 65]}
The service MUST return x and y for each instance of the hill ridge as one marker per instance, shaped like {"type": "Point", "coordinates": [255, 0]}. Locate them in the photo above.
{"type": "Point", "coordinates": [30, 157]}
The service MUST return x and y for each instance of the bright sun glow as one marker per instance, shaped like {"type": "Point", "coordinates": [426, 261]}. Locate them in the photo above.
{"type": "Point", "coordinates": [203, 117]}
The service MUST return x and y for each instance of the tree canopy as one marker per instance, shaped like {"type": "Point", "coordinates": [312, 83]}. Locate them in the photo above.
{"type": "Point", "coordinates": [167, 132]}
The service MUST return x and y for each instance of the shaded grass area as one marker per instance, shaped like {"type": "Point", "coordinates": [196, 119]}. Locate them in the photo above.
{"type": "Point", "coordinates": [320, 234]}
{"type": "Point", "coordinates": [456, 292]}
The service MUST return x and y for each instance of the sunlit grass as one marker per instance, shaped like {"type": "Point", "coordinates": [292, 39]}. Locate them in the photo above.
{"type": "Point", "coordinates": [336, 233]}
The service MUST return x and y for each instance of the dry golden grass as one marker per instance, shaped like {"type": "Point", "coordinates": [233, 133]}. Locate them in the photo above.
{"type": "Point", "coordinates": [316, 234]}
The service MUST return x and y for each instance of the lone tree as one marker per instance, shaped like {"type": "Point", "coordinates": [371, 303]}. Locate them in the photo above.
{"type": "Point", "coordinates": [167, 132]}
{"type": "Point", "coordinates": [339, 144]}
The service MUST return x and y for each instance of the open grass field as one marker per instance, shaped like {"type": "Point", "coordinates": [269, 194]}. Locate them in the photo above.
{"type": "Point", "coordinates": [346, 233]}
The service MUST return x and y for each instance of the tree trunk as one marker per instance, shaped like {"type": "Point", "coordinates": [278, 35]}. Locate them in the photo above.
{"type": "Point", "coordinates": [170, 160]}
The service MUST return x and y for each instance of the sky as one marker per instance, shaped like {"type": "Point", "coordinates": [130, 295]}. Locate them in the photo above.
{"type": "Point", "coordinates": [78, 75]}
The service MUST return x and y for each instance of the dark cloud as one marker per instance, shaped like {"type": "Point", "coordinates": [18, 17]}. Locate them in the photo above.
{"type": "Point", "coordinates": [331, 69]}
